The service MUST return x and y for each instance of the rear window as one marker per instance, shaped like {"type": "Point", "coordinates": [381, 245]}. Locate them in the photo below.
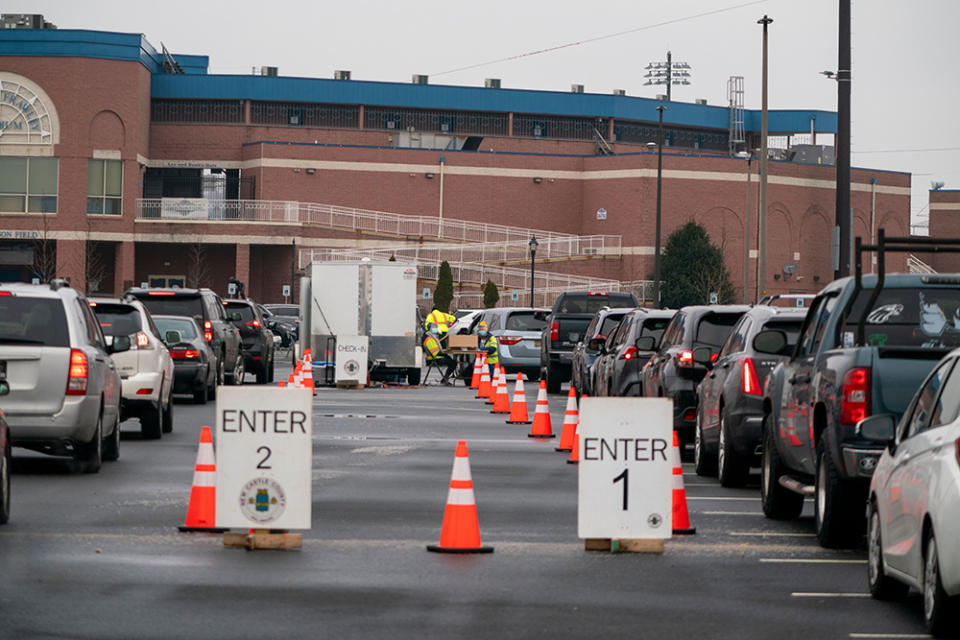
{"type": "Point", "coordinates": [714, 328]}
{"type": "Point", "coordinates": [284, 310]}
{"type": "Point", "coordinates": [245, 310]}
{"type": "Point", "coordinates": [610, 322]}
{"type": "Point", "coordinates": [585, 303]}
{"type": "Point", "coordinates": [33, 321]}
{"type": "Point", "coordinates": [908, 317]}
{"type": "Point", "coordinates": [654, 328]}
{"type": "Point", "coordinates": [789, 327]}
{"type": "Point", "coordinates": [173, 305]}
{"type": "Point", "coordinates": [526, 321]}
{"type": "Point", "coordinates": [187, 328]}
{"type": "Point", "coordinates": [118, 319]}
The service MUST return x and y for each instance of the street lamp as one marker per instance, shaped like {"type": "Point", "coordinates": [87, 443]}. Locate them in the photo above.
{"type": "Point", "coordinates": [533, 244]}
{"type": "Point", "coordinates": [762, 222]}
{"type": "Point", "coordinates": [656, 248]}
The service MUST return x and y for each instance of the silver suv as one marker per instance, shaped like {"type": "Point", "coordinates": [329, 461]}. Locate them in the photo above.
{"type": "Point", "coordinates": [64, 387]}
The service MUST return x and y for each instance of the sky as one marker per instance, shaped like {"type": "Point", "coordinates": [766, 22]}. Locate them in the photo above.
{"type": "Point", "coordinates": [904, 92]}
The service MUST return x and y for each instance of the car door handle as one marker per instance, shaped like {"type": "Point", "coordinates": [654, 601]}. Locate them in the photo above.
{"type": "Point", "coordinates": [801, 379]}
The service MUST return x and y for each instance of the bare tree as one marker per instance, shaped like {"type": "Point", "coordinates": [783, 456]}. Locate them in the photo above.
{"type": "Point", "coordinates": [94, 268]}
{"type": "Point", "coordinates": [44, 251]}
{"type": "Point", "coordinates": [197, 271]}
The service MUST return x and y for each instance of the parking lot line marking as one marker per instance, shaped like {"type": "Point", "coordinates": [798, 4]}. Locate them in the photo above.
{"type": "Point", "coordinates": [732, 513]}
{"type": "Point", "coordinates": [890, 635]}
{"type": "Point", "coordinates": [766, 534]}
{"type": "Point", "coordinates": [813, 561]}
{"type": "Point", "coordinates": [803, 594]}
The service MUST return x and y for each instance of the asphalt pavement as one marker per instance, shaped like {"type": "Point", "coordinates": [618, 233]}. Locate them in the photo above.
{"type": "Point", "coordinates": [99, 556]}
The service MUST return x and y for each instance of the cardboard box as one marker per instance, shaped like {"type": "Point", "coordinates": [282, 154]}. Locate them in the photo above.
{"type": "Point", "coordinates": [462, 342]}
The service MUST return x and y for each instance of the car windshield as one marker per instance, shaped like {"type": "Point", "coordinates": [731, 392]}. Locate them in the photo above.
{"type": "Point", "coordinates": [714, 328]}
{"type": "Point", "coordinates": [610, 323]}
{"type": "Point", "coordinates": [187, 328]}
{"type": "Point", "coordinates": [173, 305]}
{"type": "Point", "coordinates": [245, 310]}
{"type": "Point", "coordinates": [907, 317]}
{"type": "Point", "coordinates": [591, 303]}
{"type": "Point", "coordinates": [526, 321]}
{"type": "Point", "coordinates": [118, 319]}
{"type": "Point", "coordinates": [33, 321]}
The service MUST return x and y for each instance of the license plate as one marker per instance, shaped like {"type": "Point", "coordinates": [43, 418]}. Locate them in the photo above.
{"type": "Point", "coordinates": [3, 369]}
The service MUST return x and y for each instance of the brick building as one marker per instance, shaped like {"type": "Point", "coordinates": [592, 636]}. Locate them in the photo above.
{"type": "Point", "coordinates": [119, 165]}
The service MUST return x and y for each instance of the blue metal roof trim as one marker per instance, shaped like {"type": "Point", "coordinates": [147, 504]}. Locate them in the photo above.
{"type": "Point", "coordinates": [389, 94]}
{"type": "Point", "coordinates": [81, 43]}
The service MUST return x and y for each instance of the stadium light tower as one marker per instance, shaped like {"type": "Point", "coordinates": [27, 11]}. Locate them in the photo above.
{"type": "Point", "coordinates": [668, 73]}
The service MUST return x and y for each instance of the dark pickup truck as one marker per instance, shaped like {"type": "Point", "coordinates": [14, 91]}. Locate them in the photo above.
{"type": "Point", "coordinates": [866, 344]}
{"type": "Point", "coordinates": [572, 312]}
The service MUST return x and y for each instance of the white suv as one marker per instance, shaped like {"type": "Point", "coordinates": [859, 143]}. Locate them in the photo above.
{"type": "Point", "coordinates": [64, 388]}
{"type": "Point", "coordinates": [146, 369]}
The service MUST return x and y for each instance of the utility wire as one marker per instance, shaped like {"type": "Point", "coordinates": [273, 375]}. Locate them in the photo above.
{"type": "Point", "coordinates": [598, 38]}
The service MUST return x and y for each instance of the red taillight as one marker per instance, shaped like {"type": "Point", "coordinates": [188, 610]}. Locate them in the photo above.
{"type": "Point", "coordinates": [749, 383]}
{"type": "Point", "coordinates": [255, 324]}
{"type": "Point", "coordinates": [690, 415]}
{"type": "Point", "coordinates": [628, 353]}
{"type": "Point", "coordinates": [161, 293]}
{"type": "Point", "coordinates": [554, 331]}
{"type": "Point", "coordinates": [78, 373]}
{"type": "Point", "coordinates": [145, 391]}
{"type": "Point", "coordinates": [5, 293]}
{"type": "Point", "coordinates": [510, 340]}
{"type": "Point", "coordinates": [188, 354]}
{"type": "Point", "coordinates": [208, 331]}
{"type": "Point", "coordinates": [958, 450]}
{"type": "Point", "coordinates": [597, 293]}
{"type": "Point", "coordinates": [142, 340]}
{"type": "Point", "coordinates": [855, 396]}
{"type": "Point", "coordinates": [685, 358]}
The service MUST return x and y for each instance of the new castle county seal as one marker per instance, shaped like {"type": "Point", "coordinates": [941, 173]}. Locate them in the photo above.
{"type": "Point", "coordinates": [262, 500]}
{"type": "Point", "coordinates": [351, 366]}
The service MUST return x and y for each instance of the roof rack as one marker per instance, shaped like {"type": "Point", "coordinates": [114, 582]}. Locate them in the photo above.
{"type": "Point", "coordinates": [59, 283]}
{"type": "Point", "coordinates": [884, 245]}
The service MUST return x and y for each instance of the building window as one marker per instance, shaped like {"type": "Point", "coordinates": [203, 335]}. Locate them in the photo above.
{"type": "Point", "coordinates": [104, 182]}
{"type": "Point", "coordinates": [28, 185]}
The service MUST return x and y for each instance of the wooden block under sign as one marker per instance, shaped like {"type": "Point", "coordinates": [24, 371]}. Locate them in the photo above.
{"type": "Point", "coordinates": [253, 541]}
{"type": "Point", "coordinates": [630, 545]}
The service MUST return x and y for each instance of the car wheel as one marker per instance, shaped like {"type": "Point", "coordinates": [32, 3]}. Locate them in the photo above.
{"type": "Point", "coordinates": [201, 395]}
{"type": "Point", "coordinates": [111, 448]}
{"type": "Point", "coordinates": [882, 586]}
{"type": "Point", "coordinates": [779, 503]}
{"type": "Point", "coordinates": [168, 415]}
{"type": "Point", "coordinates": [89, 455]}
{"type": "Point", "coordinates": [5, 485]}
{"type": "Point", "coordinates": [939, 609]}
{"type": "Point", "coordinates": [270, 371]}
{"type": "Point", "coordinates": [732, 468]}
{"type": "Point", "coordinates": [236, 376]}
{"type": "Point", "coordinates": [838, 515]}
{"type": "Point", "coordinates": [553, 380]}
{"type": "Point", "coordinates": [702, 461]}
{"type": "Point", "coordinates": [262, 375]}
{"type": "Point", "coordinates": [218, 378]}
{"type": "Point", "coordinates": [151, 422]}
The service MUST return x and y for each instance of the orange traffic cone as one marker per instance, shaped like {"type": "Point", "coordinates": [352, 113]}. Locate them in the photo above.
{"type": "Point", "coordinates": [202, 509]}
{"type": "Point", "coordinates": [542, 427]}
{"type": "Point", "coordinates": [575, 450]}
{"type": "Point", "coordinates": [518, 406]}
{"type": "Point", "coordinates": [461, 529]}
{"type": "Point", "coordinates": [501, 402]}
{"type": "Point", "coordinates": [485, 387]}
{"type": "Point", "coordinates": [475, 379]}
{"type": "Point", "coordinates": [494, 385]}
{"type": "Point", "coordinates": [281, 384]}
{"type": "Point", "coordinates": [681, 518]}
{"type": "Point", "coordinates": [570, 418]}
{"type": "Point", "coordinates": [307, 374]}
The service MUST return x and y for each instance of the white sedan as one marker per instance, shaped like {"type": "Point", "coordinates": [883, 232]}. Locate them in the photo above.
{"type": "Point", "coordinates": [914, 507]}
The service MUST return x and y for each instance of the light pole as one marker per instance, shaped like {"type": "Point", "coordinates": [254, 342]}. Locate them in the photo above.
{"type": "Point", "coordinates": [656, 246]}
{"type": "Point", "coordinates": [762, 222]}
{"type": "Point", "coordinates": [533, 244]}
{"type": "Point", "coordinates": [746, 233]}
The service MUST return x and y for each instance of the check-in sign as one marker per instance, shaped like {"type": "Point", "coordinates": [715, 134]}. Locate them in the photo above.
{"type": "Point", "coordinates": [625, 469]}
{"type": "Point", "coordinates": [264, 450]}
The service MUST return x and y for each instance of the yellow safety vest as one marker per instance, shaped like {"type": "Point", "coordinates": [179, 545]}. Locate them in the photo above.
{"type": "Point", "coordinates": [493, 357]}
{"type": "Point", "coordinates": [441, 319]}
{"type": "Point", "coordinates": [433, 348]}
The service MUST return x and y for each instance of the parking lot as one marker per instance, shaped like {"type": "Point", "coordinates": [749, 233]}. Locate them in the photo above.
{"type": "Point", "coordinates": [99, 556]}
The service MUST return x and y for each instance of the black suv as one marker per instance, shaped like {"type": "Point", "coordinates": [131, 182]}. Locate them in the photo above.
{"type": "Point", "coordinates": [207, 308]}
{"type": "Point", "coordinates": [257, 337]}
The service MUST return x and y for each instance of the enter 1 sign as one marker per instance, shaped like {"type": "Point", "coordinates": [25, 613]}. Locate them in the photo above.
{"type": "Point", "coordinates": [625, 468]}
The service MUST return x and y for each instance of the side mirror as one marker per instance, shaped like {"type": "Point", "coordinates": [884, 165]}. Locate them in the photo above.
{"type": "Point", "coordinates": [172, 337]}
{"type": "Point", "coordinates": [597, 344]}
{"type": "Point", "coordinates": [4, 387]}
{"type": "Point", "coordinates": [771, 341]}
{"type": "Point", "coordinates": [646, 343]}
{"type": "Point", "coordinates": [703, 355]}
{"type": "Point", "coordinates": [271, 325]}
{"type": "Point", "coordinates": [880, 428]}
{"type": "Point", "coordinates": [119, 345]}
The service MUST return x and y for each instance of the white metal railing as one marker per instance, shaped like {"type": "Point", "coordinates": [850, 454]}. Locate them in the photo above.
{"type": "Point", "coordinates": [545, 297]}
{"type": "Point", "coordinates": [335, 217]}
{"type": "Point", "coordinates": [916, 265]}
{"type": "Point", "coordinates": [487, 252]}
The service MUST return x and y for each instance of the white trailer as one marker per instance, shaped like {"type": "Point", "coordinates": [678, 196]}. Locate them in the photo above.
{"type": "Point", "coordinates": [362, 298]}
